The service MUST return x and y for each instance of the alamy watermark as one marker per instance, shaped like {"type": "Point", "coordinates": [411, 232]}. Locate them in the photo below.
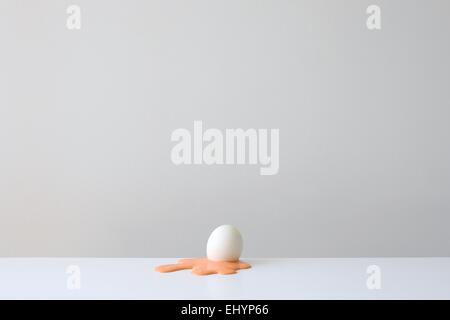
{"type": "Point", "coordinates": [73, 21]}
{"type": "Point", "coordinates": [373, 281]}
{"type": "Point", "coordinates": [74, 277]}
{"type": "Point", "coordinates": [234, 146]}
{"type": "Point", "coordinates": [373, 21]}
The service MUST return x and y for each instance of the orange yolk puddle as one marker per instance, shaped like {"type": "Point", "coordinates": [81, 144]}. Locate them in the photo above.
{"type": "Point", "coordinates": [204, 267]}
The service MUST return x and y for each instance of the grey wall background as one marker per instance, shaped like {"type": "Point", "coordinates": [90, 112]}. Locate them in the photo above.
{"type": "Point", "coordinates": [86, 118]}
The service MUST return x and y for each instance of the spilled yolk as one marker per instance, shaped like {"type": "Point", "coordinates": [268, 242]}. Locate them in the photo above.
{"type": "Point", "coordinates": [204, 267]}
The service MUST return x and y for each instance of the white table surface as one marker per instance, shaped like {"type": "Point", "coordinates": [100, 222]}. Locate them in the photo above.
{"type": "Point", "coordinates": [401, 278]}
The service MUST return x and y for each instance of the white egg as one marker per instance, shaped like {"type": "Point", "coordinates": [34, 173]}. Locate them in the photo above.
{"type": "Point", "coordinates": [224, 244]}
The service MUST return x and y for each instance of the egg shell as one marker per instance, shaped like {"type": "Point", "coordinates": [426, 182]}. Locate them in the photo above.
{"type": "Point", "coordinates": [224, 244]}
